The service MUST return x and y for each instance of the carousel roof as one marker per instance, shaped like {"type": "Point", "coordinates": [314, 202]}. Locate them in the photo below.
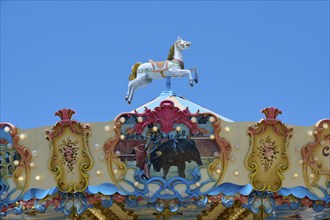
{"type": "Point", "coordinates": [180, 102]}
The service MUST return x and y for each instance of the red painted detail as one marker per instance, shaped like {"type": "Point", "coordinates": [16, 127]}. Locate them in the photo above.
{"type": "Point", "coordinates": [270, 121]}
{"type": "Point", "coordinates": [65, 114]}
{"type": "Point", "coordinates": [166, 115]}
{"type": "Point", "coordinates": [3, 141]}
{"type": "Point", "coordinates": [271, 113]}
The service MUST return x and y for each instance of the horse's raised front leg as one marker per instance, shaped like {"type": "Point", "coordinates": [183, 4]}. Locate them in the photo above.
{"type": "Point", "coordinates": [194, 69]}
{"type": "Point", "coordinates": [181, 73]}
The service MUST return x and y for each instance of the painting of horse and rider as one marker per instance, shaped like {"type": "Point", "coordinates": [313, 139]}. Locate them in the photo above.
{"type": "Point", "coordinates": [167, 155]}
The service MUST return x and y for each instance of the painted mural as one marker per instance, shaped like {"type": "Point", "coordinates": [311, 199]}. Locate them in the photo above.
{"type": "Point", "coordinates": [167, 154]}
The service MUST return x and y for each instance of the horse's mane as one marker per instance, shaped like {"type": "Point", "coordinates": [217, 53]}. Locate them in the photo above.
{"type": "Point", "coordinates": [171, 53]}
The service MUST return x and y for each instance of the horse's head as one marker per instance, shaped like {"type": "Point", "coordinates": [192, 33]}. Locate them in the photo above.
{"type": "Point", "coordinates": [182, 44]}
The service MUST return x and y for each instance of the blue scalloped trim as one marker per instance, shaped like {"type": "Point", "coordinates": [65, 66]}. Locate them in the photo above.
{"type": "Point", "coordinates": [39, 193]}
{"type": "Point", "coordinates": [230, 189]}
{"type": "Point", "coordinates": [302, 192]}
{"type": "Point", "coordinates": [105, 189]}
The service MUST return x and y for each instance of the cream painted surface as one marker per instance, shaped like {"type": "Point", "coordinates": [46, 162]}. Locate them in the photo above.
{"type": "Point", "coordinates": [235, 134]}
{"type": "Point", "coordinates": [35, 140]}
{"type": "Point", "coordinates": [239, 139]}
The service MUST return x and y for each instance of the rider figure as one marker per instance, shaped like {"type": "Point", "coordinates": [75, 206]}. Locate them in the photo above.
{"type": "Point", "coordinates": [153, 140]}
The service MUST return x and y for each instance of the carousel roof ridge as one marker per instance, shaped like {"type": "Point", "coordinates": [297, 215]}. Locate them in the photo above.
{"type": "Point", "coordinates": [180, 102]}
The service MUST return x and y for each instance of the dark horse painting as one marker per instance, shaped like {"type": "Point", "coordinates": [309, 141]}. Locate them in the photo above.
{"type": "Point", "coordinates": [175, 153]}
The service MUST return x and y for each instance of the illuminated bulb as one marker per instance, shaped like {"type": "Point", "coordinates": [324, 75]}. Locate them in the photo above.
{"type": "Point", "coordinates": [232, 157]}
{"type": "Point", "coordinates": [101, 157]}
{"type": "Point", "coordinates": [20, 178]}
{"type": "Point", "coordinates": [197, 184]}
{"type": "Point", "coordinates": [310, 133]}
{"type": "Point", "coordinates": [9, 146]}
{"type": "Point", "coordinates": [97, 146]}
{"type": "Point", "coordinates": [117, 153]}
{"type": "Point", "coordinates": [300, 161]}
{"type": "Point", "coordinates": [140, 119]}
{"type": "Point", "coordinates": [98, 172]}
{"type": "Point", "coordinates": [154, 128]}
{"type": "Point", "coordinates": [122, 137]}
{"type": "Point", "coordinates": [322, 142]}
{"type": "Point", "coordinates": [34, 153]}
{"type": "Point", "coordinates": [311, 175]}
{"type": "Point", "coordinates": [22, 136]}
{"type": "Point", "coordinates": [136, 184]}
{"type": "Point", "coordinates": [316, 158]}
{"type": "Point", "coordinates": [237, 145]}
{"type": "Point", "coordinates": [216, 154]}
{"type": "Point", "coordinates": [193, 119]}
{"type": "Point", "coordinates": [122, 119]}
{"type": "Point", "coordinates": [212, 137]}
{"type": "Point", "coordinates": [6, 129]}
{"type": "Point", "coordinates": [295, 174]}
{"type": "Point", "coordinates": [178, 128]}
{"type": "Point", "coordinates": [218, 171]}
{"type": "Point", "coordinates": [227, 128]}
{"type": "Point", "coordinates": [16, 162]}
{"type": "Point", "coordinates": [38, 178]}
{"type": "Point", "coordinates": [115, 171]}
{"type": "Point", "coordinates": [107, 128]}
{"type": "Point", "coordinates": [211, 119]}
{"type": "Point", "coordinates": [325, 125]}
{"type": "Point", "coordinates": [236, 173]}
{"type": "Point", "coordinates": [32, 164]}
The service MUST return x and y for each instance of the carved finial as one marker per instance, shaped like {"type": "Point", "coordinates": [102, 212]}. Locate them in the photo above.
{"type": "Point", "coordinates": [271, 112]}
{"type": "Point", "coordinates": [65, 114]}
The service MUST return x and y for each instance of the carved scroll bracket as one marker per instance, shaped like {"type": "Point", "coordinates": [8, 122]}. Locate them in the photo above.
{"type": "Point", "coordinates": [267, 158]}
{"type": "Point", "coordinates": [70, 157]}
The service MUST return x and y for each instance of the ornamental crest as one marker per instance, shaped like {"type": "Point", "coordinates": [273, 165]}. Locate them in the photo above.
{"type": "Point", "coordinates": [163, 146]}
{"type": "Point", "coordinates": [70, 157]}
{"type": "Point", "coordinates": [316, 155]}
{"type": "Point", "coordinates": [267, 157]}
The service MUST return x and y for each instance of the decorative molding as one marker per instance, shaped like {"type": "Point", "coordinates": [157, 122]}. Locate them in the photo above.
{"type": "Point", "coordinates": [315, 157]}
{"type": "Point", "coordinates": [166, 116]}
{"type": "Point", "coordinates": [22, 169]}
{"type": "Point", "coordinates": [267, 158]}
{"type": "Point", "coordinates": [70, 157]}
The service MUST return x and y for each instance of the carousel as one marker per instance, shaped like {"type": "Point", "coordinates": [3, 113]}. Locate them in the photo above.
{"type": "Point", "coordinates": [168, 159]}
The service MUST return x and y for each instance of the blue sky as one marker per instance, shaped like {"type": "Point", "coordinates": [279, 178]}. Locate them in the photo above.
{"type": "Point", "coordinates": [78, 55]}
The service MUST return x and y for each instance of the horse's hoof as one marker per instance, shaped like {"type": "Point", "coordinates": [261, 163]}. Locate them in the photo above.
{"type": "Point", "coordinates": [191, 84]}
{"type": "Point", "coordinates": [126, 98]}
{"type": "Point", "coordinates": [129, 102]}
{"type": "Point", "coordinates": [196, 81]}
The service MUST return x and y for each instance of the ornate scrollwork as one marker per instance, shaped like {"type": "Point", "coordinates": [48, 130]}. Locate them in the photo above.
{"type": "Point", "coordinates": [70, 157]}
{"type": "Point", "coordinates": [15, 164]}
{"type": "Point", "coordinates": [316, 158]}
{"type": "Point", "coordinates": [267, 157]}
{"type": "Point", "coordinates": [167, 117]}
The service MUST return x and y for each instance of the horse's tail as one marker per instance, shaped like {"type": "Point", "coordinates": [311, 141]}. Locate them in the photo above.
{"type": "Point", "coordinates": [134, 71]}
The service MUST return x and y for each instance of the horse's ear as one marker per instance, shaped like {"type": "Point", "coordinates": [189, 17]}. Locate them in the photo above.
{"type": "Point", "coordinates": [179, 38]}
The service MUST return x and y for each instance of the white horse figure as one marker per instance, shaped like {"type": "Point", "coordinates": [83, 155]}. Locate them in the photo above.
{"type": "Point", "coordinates": [143, 73]}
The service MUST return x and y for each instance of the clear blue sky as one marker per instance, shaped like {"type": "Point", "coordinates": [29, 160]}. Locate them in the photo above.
{"type": "Point", "coordinates": [78, 54]}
